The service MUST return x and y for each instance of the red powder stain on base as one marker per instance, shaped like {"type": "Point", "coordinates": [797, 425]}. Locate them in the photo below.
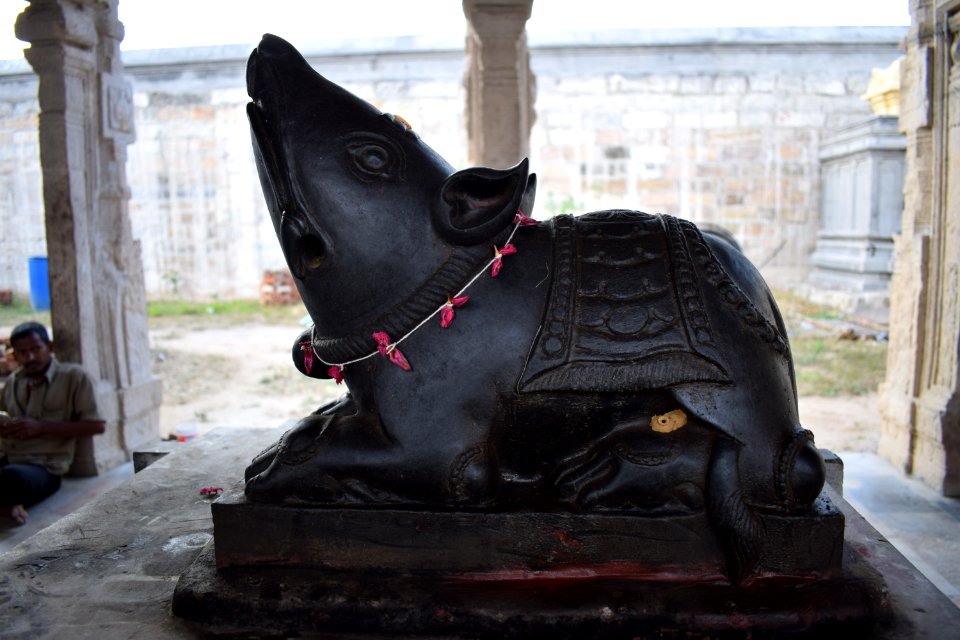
{"type": "Point", "coordinates": [574, 574]}
{"type": "Point", "coordinates": [566, 540]}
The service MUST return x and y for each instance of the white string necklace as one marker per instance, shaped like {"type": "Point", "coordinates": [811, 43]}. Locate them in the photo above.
{"type": "Point", "coordinates": [387, 347]}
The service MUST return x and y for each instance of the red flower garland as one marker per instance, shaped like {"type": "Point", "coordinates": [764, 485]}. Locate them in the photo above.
{"type": "Point", "coordinates": [388, 348]}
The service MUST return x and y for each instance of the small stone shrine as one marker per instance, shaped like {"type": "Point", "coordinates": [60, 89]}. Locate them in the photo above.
{"type": "Point", "coordinates": [584, 426]}
{"type": "Point", "coordinates": [863, 168]}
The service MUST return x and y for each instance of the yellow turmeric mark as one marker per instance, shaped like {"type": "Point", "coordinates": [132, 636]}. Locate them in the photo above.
{"type": "Point", "coordinates": [668, 421]}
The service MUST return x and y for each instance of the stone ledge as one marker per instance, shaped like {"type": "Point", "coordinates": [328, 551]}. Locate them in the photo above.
{"type": "Point", "coordinates": [146, 455]}
{"type": "Point", "coordinates": [493, 545]}
{"type": "Point", "coordinates": [270, 600]}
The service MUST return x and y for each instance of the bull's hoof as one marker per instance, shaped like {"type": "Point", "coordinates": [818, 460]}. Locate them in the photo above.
{"type": "Point", "coordinates": [312, 462]}
{"type": "Point", "coordinates": [305, 484]}
{"type": "Point", "coordinates": [262, 461]}
{"type": "Point", "coordinates": [281, 469]}
{"type": "Point", "coordinates": [807, 476]}
{"type": "Point", "coordinates": [473, 480]}
{"type": "Point", "coordinates": [294, 447]}
{"type": "Point", "coordinates": [637, 468]}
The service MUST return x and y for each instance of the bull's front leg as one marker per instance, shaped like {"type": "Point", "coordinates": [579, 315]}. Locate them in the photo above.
{"type": "Point", "coordinates": [308, 462]}
{"type": "Point", "coordinates": [435, 453]}
{"type": "Point", "coordinates": [341, 406]}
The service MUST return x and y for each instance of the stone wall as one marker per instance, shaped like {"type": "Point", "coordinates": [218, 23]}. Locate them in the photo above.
{"type": "Point", "coordinates": [720, 126]}
{"type": "Point", "coordinates": [21, 189]}
{"type": "Point", "coordinates": [197, 203]}
{"type": "Point", "coordinates": [717, 126]}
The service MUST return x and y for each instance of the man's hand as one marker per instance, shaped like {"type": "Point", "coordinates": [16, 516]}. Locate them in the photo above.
{"type": "Point", "coordinates": [21, 428]}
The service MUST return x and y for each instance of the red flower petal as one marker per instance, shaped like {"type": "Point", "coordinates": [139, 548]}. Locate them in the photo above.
{"type": "Point", "coordinates": [446, 316]}
{"type": "Point", "coordinates": [497, 265]}
{"type": "Point", "coordinates": [307, 350]}
{"type": "Point", "coordinates": [386, 348]}
{"type": "Point", "coordinates": [336, 372]}
{"type": "Point", "coordinates": [383, 341]}
{"type": "Point", "coordinates": [524, 220]}
{"type": "Point", "coordinates": [447, 313]}
{"type": "Point", "coordinates": [398, 359]}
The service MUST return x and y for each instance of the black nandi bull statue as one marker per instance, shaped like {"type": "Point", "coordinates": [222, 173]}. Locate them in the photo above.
{"type": "Point", "coordinates": [614, 361]}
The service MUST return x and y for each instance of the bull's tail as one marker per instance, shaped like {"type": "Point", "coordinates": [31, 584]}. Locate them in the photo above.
{"type": "Point", "coordinates": [740, 530]}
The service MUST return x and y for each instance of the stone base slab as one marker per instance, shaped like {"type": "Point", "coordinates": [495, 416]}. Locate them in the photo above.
{"type": "Point", "coordinates": [517, 574]}
{"type": "Point", "coordinates": [262, 601]}
{"type": "Point", "coordinates": [505, 545]}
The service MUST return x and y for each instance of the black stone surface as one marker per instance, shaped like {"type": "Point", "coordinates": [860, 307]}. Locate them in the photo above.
{"type": "Point", "coordinates": [504, 545]}
{"type": "Point", "coordinates": [267, 601]}
{"type": "Point", "coordinates": [308, 569]}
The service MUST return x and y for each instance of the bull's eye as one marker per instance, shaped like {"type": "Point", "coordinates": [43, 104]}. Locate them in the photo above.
{"type": "Point", "coordinates": [371, 161]}
{"type": "Point", "coordinates": [370, 157]}
{"type": "Point", "coordinates": [374, 159]}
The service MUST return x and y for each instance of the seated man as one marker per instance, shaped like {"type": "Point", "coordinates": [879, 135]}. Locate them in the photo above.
{"type": "Point", "coordinates": [48, 405]}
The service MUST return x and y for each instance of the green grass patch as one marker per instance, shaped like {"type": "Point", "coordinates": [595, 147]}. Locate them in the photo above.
{"type": "Point", "coordinates": [219, 312]}
{"type": "Point", "coordinates": [793, 305]}
{"type": "Point", "coordinates": [21, 311]}
{"type": "Point", "coordinates": [830, 366]}
{"type": "Point", "coordinates": [164, 312]}
{"type": "Point", "coordinates": [165, 308]}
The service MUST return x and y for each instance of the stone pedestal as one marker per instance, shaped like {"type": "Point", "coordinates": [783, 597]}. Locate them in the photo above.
{"type": "Point", "coordinates": [578, 604]}
{"type": "Point", "coordinates": [98, 306]}
{"type": "Point", "coordinates": [511, 546]}
{"type": "Point", "coordinates": [516, 574]}
{"type": "Point", "coordinates": [109, 572]}
{"type": "Point", "coordinates": [862, 168]}
{"type": "Point", "coordinates": [499, 82]}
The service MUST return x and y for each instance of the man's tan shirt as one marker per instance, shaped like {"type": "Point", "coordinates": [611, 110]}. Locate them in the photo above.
{"type": "Point", "coordinates": [66, 394]}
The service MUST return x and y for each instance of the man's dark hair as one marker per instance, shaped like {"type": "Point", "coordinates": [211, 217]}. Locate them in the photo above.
{"type": "Point", "coordinates": [26, 329]}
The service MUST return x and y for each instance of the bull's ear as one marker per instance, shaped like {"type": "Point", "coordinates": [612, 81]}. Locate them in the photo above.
{"type": "Point", "coordinates": [476, 204]}
{"type": "Point", "coordinates": [529, 195]}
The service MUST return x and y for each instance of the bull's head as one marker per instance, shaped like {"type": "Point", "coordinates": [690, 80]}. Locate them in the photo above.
{"type": "Point", "coordinates": [364, 210]}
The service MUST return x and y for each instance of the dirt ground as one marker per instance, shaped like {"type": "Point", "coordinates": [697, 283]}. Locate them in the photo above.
{"type": "Point", "coordinates": [242, 376]}
{"type": "Point", "coordinates": [232, 376]}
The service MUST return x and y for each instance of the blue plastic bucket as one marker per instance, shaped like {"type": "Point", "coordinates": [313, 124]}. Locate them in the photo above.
{"type": "Point", "coordinates": [39, 284]}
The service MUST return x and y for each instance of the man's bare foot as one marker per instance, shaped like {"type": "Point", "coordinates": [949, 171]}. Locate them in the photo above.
{"type": "Point", "coordinates": [16, 512]}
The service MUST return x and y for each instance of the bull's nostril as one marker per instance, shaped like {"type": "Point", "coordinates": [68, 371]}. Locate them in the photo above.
{"type": "Point", "coordinates": [311, 252]}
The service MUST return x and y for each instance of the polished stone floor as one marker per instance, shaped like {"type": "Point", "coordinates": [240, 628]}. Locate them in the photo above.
{"type": "Point", "coordinates": [923, 525]}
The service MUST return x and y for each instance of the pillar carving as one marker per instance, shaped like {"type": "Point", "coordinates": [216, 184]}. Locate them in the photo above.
{"type": "Point", "coordinates": [920, 398]}
{"type": "Point", "coordinates": [499, 82]}
{"type": "Point", "coordinates": [98, 304]}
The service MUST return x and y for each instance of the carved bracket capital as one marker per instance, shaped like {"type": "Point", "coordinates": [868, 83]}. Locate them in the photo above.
{"type": "Point", "coordinates": [117, 108]}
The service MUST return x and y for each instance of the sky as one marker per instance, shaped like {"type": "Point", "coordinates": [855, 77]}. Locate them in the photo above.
{"type": "Point", "coordinates": [152, 24]}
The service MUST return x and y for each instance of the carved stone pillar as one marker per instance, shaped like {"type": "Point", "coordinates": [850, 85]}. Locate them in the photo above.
{"type": "Point", "coordinates": [98, 305]}
{"type": "Point", "coordinates": [920, 398]}
{"type": "Point", "coordinates": [499, 82]}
